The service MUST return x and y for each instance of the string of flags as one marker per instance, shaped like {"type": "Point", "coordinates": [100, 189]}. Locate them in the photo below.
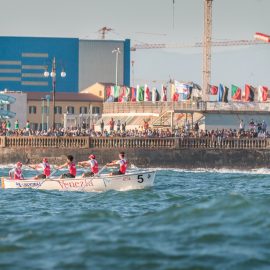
{"type": "Point", "coordinates": [249, 93]}
{"type": "Point", "coordinates": [178, 91]}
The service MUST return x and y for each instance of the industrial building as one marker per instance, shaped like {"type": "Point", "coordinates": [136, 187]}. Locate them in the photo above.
{"type": "Point", "coordinates": [23, 61]}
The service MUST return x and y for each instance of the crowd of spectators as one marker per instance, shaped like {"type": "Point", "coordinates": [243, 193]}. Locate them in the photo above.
{"type": "Point", "coordinates": [253, 130]}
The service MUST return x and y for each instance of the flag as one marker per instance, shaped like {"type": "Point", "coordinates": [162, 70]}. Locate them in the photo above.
{"type": "Point", "coordinates": [153, 94]}
{"type": "Point", "coordinates": [122, 93]}
{"type": "Point", "coordinates": [213, 89]}
{"type": "Point", "coordinates": [147, 94]}
{"type": "Point", "coordinates": [262, 93]}
{"type": "Point", "coordinates": [175, 97]}
{"type": "Point", "coordinates": [127, 94]}
{"type": "Point", "coordinates": [116, 92]}
{"type": "Point", "coordinates": [141, 94]}
{"type": "Point", "coordinates": [181, 88]}
{"type": "Point", "coordinates": [249, 93]}
{"type": "Point", "coordinates": [196, 90]}
{"type": "Point", "coordinates": [137, 92]}
{"type": "Point", "coordinates": [133, 94]}
{"type": "Point", "coordinates": [163, 93]}
{"type": "Point", "coordinates": [220, 92]}
{"type": "Point", "coordinates": [225, 94]}
{"type": "Point", "coordinates": [158, 98]}
{"type": "Point", "coordinates": [236, 92]}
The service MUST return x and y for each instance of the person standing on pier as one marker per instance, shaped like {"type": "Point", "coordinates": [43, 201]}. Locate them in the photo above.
{"type": "Point", "coordinates": [122, 162]}
{"type": "Point", "coordinates": [71, 167]}
{"type": "Point", "coordinates": [111, 123]}
{"type": "Point", "coordinates": [92, 163]}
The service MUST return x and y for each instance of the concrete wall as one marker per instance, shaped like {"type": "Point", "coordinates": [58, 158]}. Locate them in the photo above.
{"type": "Point", "coordinates": [97, 62]}
{"type": "Point", "coordinates": [183, 158]}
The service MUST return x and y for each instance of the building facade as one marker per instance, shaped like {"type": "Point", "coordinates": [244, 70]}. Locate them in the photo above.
{"type": "Point", "coordinates": [14, 110]}
{"type": "Point", "coordinates": [23, 61]}
{"type": "Point", "coordinates": [77, 105]}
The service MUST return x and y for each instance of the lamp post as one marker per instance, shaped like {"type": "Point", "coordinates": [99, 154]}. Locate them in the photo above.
{"type": "Point", "coordinates": [42, 114]}
{"type": "Point", "coordinates": [53, 74]}
{"type": "Point", "coordinates": [117, 52]}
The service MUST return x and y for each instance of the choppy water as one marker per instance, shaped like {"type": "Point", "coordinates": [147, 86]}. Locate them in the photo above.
{"type": "Point", "coordinates": [189, 220]}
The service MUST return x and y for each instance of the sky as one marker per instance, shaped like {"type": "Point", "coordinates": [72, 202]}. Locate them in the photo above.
{"type": "Point", "coordinates": [151, 21]}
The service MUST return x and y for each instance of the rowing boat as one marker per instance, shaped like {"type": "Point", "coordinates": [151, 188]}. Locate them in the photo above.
{"type": "Point", "coordinates": [104, 182]}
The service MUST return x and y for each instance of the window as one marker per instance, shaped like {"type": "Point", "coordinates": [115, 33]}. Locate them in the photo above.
{"type": "Point", "coordinates": [83, 110]}
{"type": "Point", "coordinates": [8, 107]}
{"type": "Point", "coordinates": [70, 110]}
{"type": "Point", "coordinates": [96, 110]}
{"type": "Point", "coordinates": [100, 93]}
{"type": "Point", "coordinates": [32, 109]}
{"type": "Point", "coordinates": [34, 126]}
{"type": "Point", "coordinates": [58, 110]}
{"type": "Point", "coordinates": [45, 109]}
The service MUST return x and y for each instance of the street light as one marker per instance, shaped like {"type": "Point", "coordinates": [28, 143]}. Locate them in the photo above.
{"type": "Point", "coordinates": [117, 52]}
{"type": "Point", "coordinates": [53, 74]}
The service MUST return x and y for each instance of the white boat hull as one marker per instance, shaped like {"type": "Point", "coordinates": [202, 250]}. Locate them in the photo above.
{"type": "Point", "coordinates": [104, 182]}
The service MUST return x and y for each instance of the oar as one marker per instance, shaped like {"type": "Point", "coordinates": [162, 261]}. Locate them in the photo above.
{"type": "Point", "coordinates": [102, 169]}
{"type": "Point", "coordinates": [53, 173]}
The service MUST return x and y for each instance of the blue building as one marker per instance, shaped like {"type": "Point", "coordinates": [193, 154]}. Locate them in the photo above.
{"type": "Point", "coordinates": [23, 61]}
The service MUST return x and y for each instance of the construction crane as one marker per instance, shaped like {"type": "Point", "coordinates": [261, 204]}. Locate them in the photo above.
{"type": "Point", "coordinates": [207, 39]}
{"type": "Point", "coordinates": [241, 42]}
{"type": "Point", "coordinates": [103, 31]}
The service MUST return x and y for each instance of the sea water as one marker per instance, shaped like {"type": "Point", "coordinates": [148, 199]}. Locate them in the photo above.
{"type": "Point", "coordinates": [189, 220]}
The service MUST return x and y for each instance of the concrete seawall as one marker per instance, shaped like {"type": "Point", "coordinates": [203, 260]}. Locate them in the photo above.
{"type": "Point", "coordinates": [166, 158]}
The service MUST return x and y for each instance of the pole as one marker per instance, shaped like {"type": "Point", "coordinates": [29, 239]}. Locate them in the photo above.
{"type": "Point", "coordinates": [53, 98]}
{"type": "Point", "coordinates": [207, 38]}
{"type": "Point", "coordinates": [48, 110]}
{"type": "Point", "coordinates": [116, 67]}
{"type": "Point", "coordinates": [42, 115]}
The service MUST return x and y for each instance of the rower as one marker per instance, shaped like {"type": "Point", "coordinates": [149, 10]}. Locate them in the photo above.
{"type": "Point", "coordinates": [45, 166]}
{"type": "Point", "coordinates": [16, 173]}
{"type": "Point", "coordinates": [122, 162]}
{"type": "Point", "coordinates": [92, 163]}
{"type": "Point", "coordinates": [71, 167]}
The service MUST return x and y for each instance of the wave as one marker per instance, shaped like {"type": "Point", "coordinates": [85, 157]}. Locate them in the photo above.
{"type": "Point", "coordinates": [263, 171]}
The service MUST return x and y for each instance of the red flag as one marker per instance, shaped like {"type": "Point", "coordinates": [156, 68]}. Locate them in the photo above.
{"type": "Point", "coordinates": [175, 97]}
{"type": "Point", "coordinates": [249, 93]}
{"type": "Point", "coordinates": [213, 89]}
{"type": "Point", "coordinates": [264, 93]}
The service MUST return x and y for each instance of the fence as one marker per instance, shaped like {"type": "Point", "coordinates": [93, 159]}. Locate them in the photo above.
{"type": "Point", "coordinates": [133, 143]}
{"type": "Point", "coordinates": [45, 142]}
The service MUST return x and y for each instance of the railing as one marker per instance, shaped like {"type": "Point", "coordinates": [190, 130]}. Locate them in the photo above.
{"type": "Point", "coordinates": [133, 143]}
{"type": "Point", "coordinates": [239, 106]}
{"type": "Point", "coordinates": [149, 107]}
{"type": "Point", "coordinates": [47, 142]}
{"type": "Point", "coordinates": [230, 143]}
{"type": "Point", "coordinates": [155, 143]}
{"type": "Point", "coordinates": [184, 106]}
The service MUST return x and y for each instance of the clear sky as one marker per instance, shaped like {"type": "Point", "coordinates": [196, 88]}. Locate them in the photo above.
{"type": "Point", "coordinates": [152, 21]}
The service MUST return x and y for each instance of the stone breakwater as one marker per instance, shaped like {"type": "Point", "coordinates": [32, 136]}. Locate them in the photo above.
{"type": "Point", "coordinates": [165, 158]}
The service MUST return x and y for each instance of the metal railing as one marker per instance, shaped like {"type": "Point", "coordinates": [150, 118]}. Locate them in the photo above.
{"type": "Point", "coordinates": [184, 106]}
{"type": "Point", "coordinates": [133, 143]}
{"type": "Point", "coordinates": [149, 107]}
